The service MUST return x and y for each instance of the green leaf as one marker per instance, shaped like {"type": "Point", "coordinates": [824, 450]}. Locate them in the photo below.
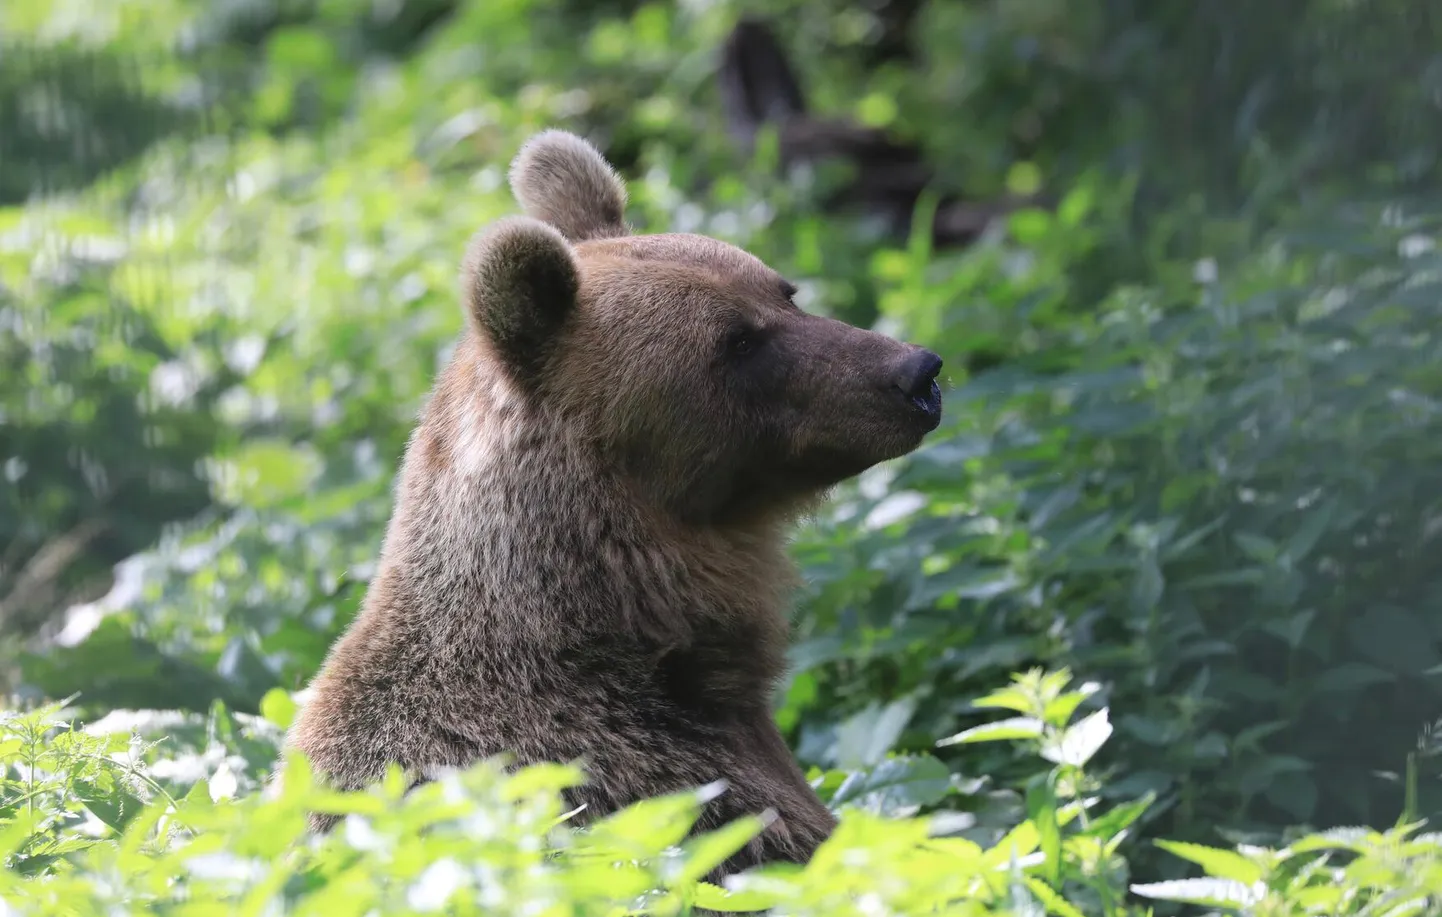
{"type": "Point", "coordinates": [1350, 677]}
{"type": "Point", "coordinates": [1029, 226]}
{"type": "Point", "coordinates": [1313, 527]}
{"type": "Point", "coordinates": [1296, 795]}
{"type": "Point", "coordinates": [1080, 741]}
{"type": "Point", "coordinates": [1250, 576]}
{"type": "Point", "coordinates": [1023, 178]}
{"type": "Point", "coordinates": [705, 852]}
{"type": "Point", "coordinates": [1292, 629]}
{"type": "Point", "coordinates": [1059, 711]}
{"type": "Point", "coordinates": [713, 898]}
{"type": "Point", "coordinates": [1011, 698]}
{"type": "Point", "coordinates": [1041, 805]}
{"type": "Point", "coordinates": [1219, 863]}
{"type": "Point", "coordinates": [297, 48]}
{"type": "Point", "coordinates": [974, 583]}
{"type": "Point", "coordinates": [1019, 843]}
{"type": "Point", "coordinates": [1052, 901]}
{"type": "Point", "coordinates": [1075, 206]}
{"type": "Point", "coordinates": [1395, 638]}
{"type": "Point", "coordinates": [647, 827]}
{"type": "Point", "coordinates": [1119, 818]}
{"type": "Point", "coordinates": [278, 707]}
{"type": "Point", "coordinates": [876, 109]}
{"type": "Point", "coordinates": [115, 807]}
{"type": "Point", "coordinates": [1209, 892]}
{"type": "Point", "coordinates": [1147, 586]}
{"type": "Point", "coordinates": [268, 472]}
{"type": "Point", "coordinates": [1257, 547]}
{"type": "Point", "coordinates": [1176, 549]}
{"type": "Point", "coordinates": [1020, 727]}
{"type": "Point", "coordinates": [864, 739]}
{"type": "Point", "coordinates": [897, 786]}
{"type": "Point", "coordinates": [536, 779]}
{"type": "Point", "coordinates": [1354, 839]}
{"type": "Point", "coordinates": [1319, 899]}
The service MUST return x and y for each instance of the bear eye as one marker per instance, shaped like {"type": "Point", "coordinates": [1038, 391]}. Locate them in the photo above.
{"type": "Point", "coordinates": [740, 342]}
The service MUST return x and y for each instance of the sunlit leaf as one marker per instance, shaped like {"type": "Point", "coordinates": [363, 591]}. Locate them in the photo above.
{"type": "Point", "coordinates": [1210, 892]}
{"type": "Point", "coordinates": [113, 805]}
{"type": "Point", "coordinates": [1080, 741]}
{"type": "Point", "coordinates": [711, 897]}
{"type": "Point", "coordinates": [1020, 727]}
{"type": "Point", "coordinates": [278, 707]}
{"type": "Point", "coordinates": [1041, 804]}
{"type": "Point", "coordinates": [709, 850]}
{"type": "Point", "coordinates": [1221, 864]}
{"type": "Point", "coordinates": [1053, 902]}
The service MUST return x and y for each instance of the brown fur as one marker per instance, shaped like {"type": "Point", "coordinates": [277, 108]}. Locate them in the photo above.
{"type": "Point", "coordinates": [586, 560]}
{"type": "Point", "coordinates": [594, 205]}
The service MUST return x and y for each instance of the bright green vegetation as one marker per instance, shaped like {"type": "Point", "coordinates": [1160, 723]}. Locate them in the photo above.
{"type": "Point", "coordinates": [1191, 465]}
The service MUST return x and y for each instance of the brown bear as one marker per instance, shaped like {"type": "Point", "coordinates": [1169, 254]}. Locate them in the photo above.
{"type": "Point", "coordinates": [587, 557]}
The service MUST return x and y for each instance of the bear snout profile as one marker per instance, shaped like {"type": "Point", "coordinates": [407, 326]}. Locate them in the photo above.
{"type": "Point", "coordinates": [586, 559]}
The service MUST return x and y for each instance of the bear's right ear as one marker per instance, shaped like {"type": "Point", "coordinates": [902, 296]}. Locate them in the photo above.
{"type": "Point", "coordinates": [521, 283]}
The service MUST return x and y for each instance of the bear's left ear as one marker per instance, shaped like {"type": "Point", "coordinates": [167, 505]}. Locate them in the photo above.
{"type": "Point", "coordinates": [563, 180]}
{"type": "Point", "coordinates": [521, 283]}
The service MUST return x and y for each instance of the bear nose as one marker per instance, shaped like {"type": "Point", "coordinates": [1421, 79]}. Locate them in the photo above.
{"type": "Point", "coordinates": [917, 373]}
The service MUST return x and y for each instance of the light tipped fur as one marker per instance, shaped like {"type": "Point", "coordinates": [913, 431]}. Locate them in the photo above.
{"type": "Point", "coordinates": [563, 180]}
{"type": "Point", "coordinates": [520, 282]}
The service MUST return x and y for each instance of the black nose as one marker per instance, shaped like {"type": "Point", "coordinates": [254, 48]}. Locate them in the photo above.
{"type": "Point", "coordinates": [917, 373]}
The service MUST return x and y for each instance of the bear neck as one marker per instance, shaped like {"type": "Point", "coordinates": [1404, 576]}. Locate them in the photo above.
{"type": "Point", "coordinates": [509, 528]}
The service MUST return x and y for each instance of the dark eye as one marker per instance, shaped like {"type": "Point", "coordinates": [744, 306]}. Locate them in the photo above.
{"type": "Point", "coordinates": [741, 342]}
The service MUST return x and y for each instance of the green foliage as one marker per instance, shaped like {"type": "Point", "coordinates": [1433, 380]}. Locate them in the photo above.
{"type": "Point", "coordinates": [1341, 871]}
{"type": "Point", "coordinates": [1190, 450]}
{"type": "Point", "coordinates": [91, 819]}
{"type": "Point", "coordinates": [1214, 503]}
{"type": "Point", "coordinates": [97, 818]}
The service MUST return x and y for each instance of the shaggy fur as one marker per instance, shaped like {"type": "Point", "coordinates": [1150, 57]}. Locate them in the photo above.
{"type": "Point", "coordinates": [586, 559]}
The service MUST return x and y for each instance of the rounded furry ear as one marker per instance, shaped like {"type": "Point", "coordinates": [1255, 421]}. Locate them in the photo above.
{"type": "Point", "coordinates": [521, 282]}
{"type": "Point", "coordinates": [563, 180]}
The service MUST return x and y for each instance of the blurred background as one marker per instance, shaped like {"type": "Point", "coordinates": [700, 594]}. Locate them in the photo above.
{"type": "Point", "coordinates": [1180, 259]}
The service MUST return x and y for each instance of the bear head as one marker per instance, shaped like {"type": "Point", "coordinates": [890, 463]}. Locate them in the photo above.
{"type": "Point", "coordinates": [679, 360]}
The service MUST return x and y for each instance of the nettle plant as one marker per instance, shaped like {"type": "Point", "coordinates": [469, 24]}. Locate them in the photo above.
{"type": "Point", "coordinates": [103, 816]}
{"type": "Point", "coordinates": [99, 818]}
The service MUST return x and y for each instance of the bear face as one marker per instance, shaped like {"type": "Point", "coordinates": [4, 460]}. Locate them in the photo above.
{"type": "Point", "coordinates": [680, 359]}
